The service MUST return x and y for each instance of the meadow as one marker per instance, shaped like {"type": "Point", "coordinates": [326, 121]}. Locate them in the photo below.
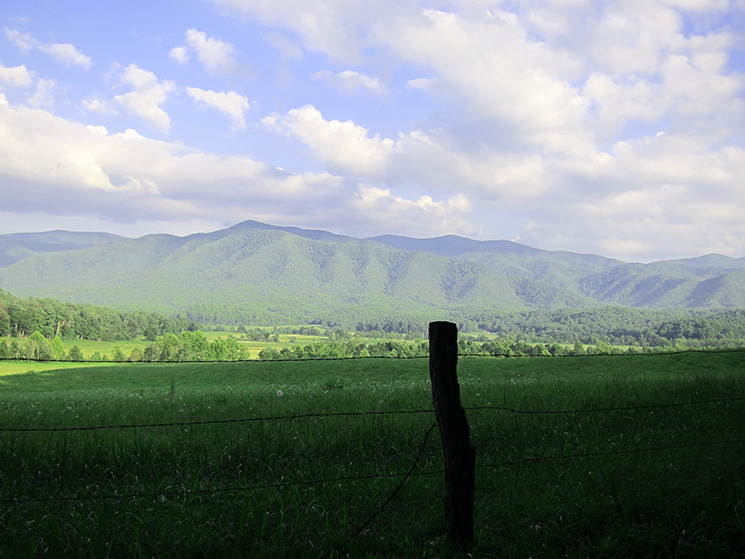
{"type": "Point", "coordinates": [597, 456]}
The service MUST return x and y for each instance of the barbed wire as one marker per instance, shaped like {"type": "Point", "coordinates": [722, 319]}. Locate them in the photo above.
{"type": "Point", "coordinates": [400, 485]}
{"type": "Point", "coordinates": [640, 353]}
{"type": "Point", "coordinates": [405, 475]}
{"type": "Point", "coordinates": [278, 485]}
{"type": "Point", "coordinates": [362, 414]}
{"type": "Point", "coordinates": [211, 421]}
{"type": "Point", "coordinates": [213, 491]}
{"type": "Point", "coordinates": [608, 409]}
{"type": "Point", "coordinates": [661, 448]}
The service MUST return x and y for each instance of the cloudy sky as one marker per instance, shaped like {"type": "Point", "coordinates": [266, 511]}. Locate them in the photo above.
{"type": "Point", "coordinates": [613, 127]}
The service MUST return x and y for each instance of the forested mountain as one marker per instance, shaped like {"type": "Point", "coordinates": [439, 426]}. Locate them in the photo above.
{"type": "Point", "coordinates": [254, 273]}
{"type": "Point", "coordinates": [17, 246]}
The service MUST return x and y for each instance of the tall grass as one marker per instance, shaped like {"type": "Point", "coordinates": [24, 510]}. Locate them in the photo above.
{"type": "Point", "coordinates": [238, 489]}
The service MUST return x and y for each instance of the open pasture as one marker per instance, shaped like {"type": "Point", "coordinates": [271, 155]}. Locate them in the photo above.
{"type": "Point", "coordinates": [619, 456]}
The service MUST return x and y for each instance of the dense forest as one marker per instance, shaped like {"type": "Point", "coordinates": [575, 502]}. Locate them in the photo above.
{"type": "Point", "coordinates": [43, 323]}
{"type": "Point", "coordinates": [20, 318]}
{"type": "Point", "coordinates": [615, 325]}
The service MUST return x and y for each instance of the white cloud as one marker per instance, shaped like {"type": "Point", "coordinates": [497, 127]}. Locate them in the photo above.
{"type": "Point", "coordinates": [288, 49]}
{"type": "Point", "coordinates": [214, 54]}
{"type": "Point", "coordinates": [179, 54]}
{"type": "Point", "coordinates": [230, 103]}
{"type": "Point", "coordinates": [23, 41]}
{"type": "Point", "coordinates": [16, 76]}
{"type": "Point", "coordinates": [492, 64]}
{"type": "Point", "coordinates": [67, 54]}
{"type": "Point", "coordinates": [329, 26]}
{"type": "Point", "coordinates": [44, 95]}
{"type": "Point", "coordinates": [350, 81]}
{"type": "Point", "coordinates": [96, 105]}
{"type": "Point", "coordinates": [149, 93]}
{"type": "Point", "coordinates": [420, 83]}
{"type": "Point", "coordinates": [342, 146]}
{"type": "Point", "coordinates": [53, 168]}
{"type": "Point", "coordinates": [542, 115]}
{"type": "Point", "coordinates": [413, 217]}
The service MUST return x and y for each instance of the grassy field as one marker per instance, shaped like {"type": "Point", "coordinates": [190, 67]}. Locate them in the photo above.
{"type": "Point", "coordinates": [20, 367]}
{"type": "Point", "coordinates": [252, 489]}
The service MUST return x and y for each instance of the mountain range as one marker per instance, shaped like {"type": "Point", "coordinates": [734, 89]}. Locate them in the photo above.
{"type": "Point", "coordinates": [259, 273]}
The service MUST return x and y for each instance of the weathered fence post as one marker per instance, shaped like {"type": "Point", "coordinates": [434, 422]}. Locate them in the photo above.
{"type": "Point", "coordinates": [460, 455]}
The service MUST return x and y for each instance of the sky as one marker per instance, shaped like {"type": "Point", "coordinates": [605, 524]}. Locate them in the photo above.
{"type": "Point", "coordinates": [615, 128]}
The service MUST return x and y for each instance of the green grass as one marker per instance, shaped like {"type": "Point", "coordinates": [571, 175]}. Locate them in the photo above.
{"type": "Point", "coordinates": [19, 367]}
{"type": "Point", "coordinates": [680, 502]}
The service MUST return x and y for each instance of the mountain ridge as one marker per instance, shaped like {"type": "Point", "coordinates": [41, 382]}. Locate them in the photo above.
{"type": "Point", "coordinates": [256, 272]}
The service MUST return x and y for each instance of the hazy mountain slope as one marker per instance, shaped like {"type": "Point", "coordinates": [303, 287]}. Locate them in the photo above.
{"type": "Point", "coordinates": [17, 246]}
{"type": "Point", "coordinates": [727, 290]}
{"type": "Point", "coordinates": [637, 285]}
{"type": "Point", "coordinates": [260, 271]}
{"type": "Point", "coordinates": [453, 245]}
{"type": "Point", "coordinates": [264, 273]}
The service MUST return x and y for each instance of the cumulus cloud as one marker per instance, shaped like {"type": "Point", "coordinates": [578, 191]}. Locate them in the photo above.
{"type": "Point", "coordinates": [288, 49]}
{"type": "Point", "coordinates": [179, 54]}
{"type": "Point", "coordinates": [22, 41]}
{"type": "Point", "coordinates": [16, 76]}
{"type": "Point", "coordinates": [215, 55]}
{"type": "Point", "coordinates": [571, 124]}
{"type": "Point", "coordinates": [67, 54]}
{"type": "Point", "coordinates": [125, 178]}
{"type": "Point", "coordinates": [350, 81]}
{"type": "Point", "coordinates": [342, 146]}
{"type": "Point", "coordinates": [329, 26]}
{"type": "Point", "coordinates": [96, 105]}
{"type": "Point", "coordinates": [44, 95]}
{"type": "Point", "coordinates": [412, 217]}
{"type": "Point", "coordinates": [147, 96]}
{"type": "Point", "coordinates": [230, 103]}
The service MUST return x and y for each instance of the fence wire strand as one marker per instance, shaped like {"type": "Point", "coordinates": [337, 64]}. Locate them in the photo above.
{"type": "Point", "coordinates": [661, 448]}
{"type": "Point", "coordinates": [640, 353]}
{"type": "Point", "coordinates": [363, 414]}
{"type": "Point", "coordinates": [170, 493]}
{"type": "Point", "coordinates": [216, 490]}
{"type": "Point", "coordinates": [211, 421]}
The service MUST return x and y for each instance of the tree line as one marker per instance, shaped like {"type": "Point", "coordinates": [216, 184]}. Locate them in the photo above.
{"type": "Point", "coordinates": [187, 346]}
{"type": "Point", "coordinates": [616, 326]}
{"type": "Point", "coordinates": [599, 326]}
{"type": "Point", "coordinates": [20, 318]}
{"type": "Point", "coordinates": [194, 346]}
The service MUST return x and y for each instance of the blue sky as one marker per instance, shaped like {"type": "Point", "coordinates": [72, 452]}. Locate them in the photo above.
{"type": "Point", "coordinates": [612, 127]}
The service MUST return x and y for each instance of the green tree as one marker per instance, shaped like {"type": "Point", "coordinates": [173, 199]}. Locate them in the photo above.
{"type": "Point", "coordinates": [4, 321]}
{"type": "Point", "coordinates": [118, 354]}
{"type": "Point", "coordinates": [39, 347]}
{"type": "Point", "coordinates": [16, 350]}
{"type": "Point", "coordinates": [58, 348]}
{"type": "Point", "coordinates": [151, 353]}
{"type": "Point", "coordinates": [268, 354]}
{"type": "Point", "coordinates": [219, 350]}
{"type": "Point", "coordinates": [75, 354]}
{"type": "Point", "coordinates": [168, 344]}
{"type": "Point", "coordinates": [196, 344]}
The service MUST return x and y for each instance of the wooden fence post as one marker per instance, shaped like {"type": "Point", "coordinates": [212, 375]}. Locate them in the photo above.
{"type": "Point", "coordinates": [460, 455]}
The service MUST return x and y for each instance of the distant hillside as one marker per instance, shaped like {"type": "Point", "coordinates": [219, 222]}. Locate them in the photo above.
{"type": "Point", "coordinates": [17, 246]}
{"type": "Point", "coordinates": [258, 273]}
